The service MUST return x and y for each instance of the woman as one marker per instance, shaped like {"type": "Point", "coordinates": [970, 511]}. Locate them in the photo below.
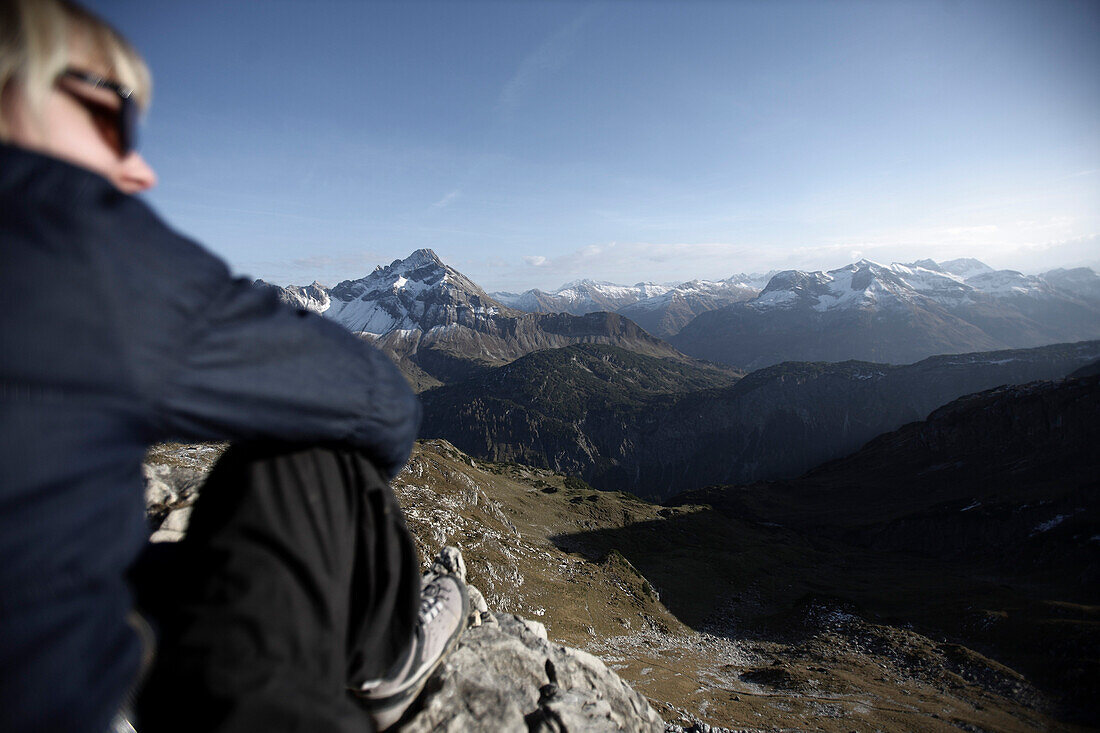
{"type": "Point", "coordinates": [297, 578]}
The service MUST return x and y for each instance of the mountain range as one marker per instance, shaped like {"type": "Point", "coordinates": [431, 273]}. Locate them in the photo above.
{"type": "Point", "coordinates": [660, 309]}
{"type": "Point", "coordinates": [896, 314]}
{"type": "Point", "coordinates": [441, 327]}
{"type": "Point", "coordinates": [624, 422]}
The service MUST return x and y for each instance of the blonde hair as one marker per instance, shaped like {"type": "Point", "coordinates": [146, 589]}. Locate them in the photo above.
{"type": "Point", "coordinates": [37, 38]}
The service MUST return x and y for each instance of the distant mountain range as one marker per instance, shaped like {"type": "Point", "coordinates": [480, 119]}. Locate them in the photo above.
{"type": "Point", "coordinates": [660, 309]}
{"type": "Point", "coordinates": [896, 314]}
{"type": "Point", "coordinates": [439, 326]}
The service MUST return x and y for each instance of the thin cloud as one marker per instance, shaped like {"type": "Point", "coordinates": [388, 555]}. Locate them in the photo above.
{"type": "Point", "coordinates": [551, 55]}
{"type": "Point", "coordinates": [447, 199]}
{"type": "Point", "coordinates": [646, 261]}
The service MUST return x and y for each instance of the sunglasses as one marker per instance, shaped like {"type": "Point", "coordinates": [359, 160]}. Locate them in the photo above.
{"type": "Point", "coordinates": [118, 125]}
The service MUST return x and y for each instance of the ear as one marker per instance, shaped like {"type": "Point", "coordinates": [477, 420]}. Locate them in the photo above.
{"type": "Point", "coordinates": [135, 175]}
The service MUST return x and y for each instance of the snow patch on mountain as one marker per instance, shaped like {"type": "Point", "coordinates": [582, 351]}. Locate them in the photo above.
{"type": "Point", "coordinates": [1010, 282]}
{"type": "Point", "coordinates": [581, 296]}
{"type": "Point", "coordinates": [587, 296]}
{"type": "Point", "coordinates": [861, 285]}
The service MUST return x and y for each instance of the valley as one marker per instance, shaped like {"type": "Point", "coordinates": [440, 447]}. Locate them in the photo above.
{"type": "Point", "coordinates": [874, 508]}
{"type": "Point", "coordinates": [729, 607]}
{"type": "Point", "coordinates": [638, 429]}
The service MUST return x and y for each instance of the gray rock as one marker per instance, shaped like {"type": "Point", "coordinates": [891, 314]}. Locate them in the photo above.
{"type": "Point", "coordinates": [168, 487]}
{"type": "Point", "coordinates": [157, 492]}
{"type": "Point", "coordinates": [173, 527]}
{"type": "Point", "coordinates": [506, 676]}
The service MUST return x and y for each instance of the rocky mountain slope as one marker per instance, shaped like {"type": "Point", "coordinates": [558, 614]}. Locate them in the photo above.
{"type": "Point", "coordinates": [1008, 475]}
{"type": "Point", "coordinates": [666, 314]}
{"type": "Point", "coordinates": [573, 409]}
{"type": "Point", "coordinates": [895, 314]}
{"type": "Point", "coordinates": [1004, 483]}
{"type": "Point", "coordinates": [712, 616]}
{"type": "Point", "coordinates": [440, 327]}
{"type": "Point", "coordinates": [629, 428]}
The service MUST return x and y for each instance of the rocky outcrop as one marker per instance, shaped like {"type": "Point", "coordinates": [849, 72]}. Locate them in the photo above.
{"type": "Point", "coordinates": [507, 676]}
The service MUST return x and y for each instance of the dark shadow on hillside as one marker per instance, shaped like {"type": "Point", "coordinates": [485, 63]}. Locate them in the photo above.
{"type": "Point", "coordinates": [723, 574]}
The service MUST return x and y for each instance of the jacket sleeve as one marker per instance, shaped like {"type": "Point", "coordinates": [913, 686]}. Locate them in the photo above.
{"type": "Point", "coordinates": [255, 368]}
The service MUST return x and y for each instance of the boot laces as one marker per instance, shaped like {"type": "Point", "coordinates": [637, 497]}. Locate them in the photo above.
{"type": "Point", "coordinates": [431, 602]}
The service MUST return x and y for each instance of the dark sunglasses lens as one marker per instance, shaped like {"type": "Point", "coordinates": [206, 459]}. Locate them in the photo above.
{"type": "Point", "coordinates": [127, 126]}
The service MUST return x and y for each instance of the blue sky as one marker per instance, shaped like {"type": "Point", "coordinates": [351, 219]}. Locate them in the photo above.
{"type": "Point", "coordinates": [531, 143]}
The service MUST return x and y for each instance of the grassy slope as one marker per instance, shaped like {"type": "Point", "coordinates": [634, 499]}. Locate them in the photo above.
{"type": "Point", "coordinates": [754, 625]}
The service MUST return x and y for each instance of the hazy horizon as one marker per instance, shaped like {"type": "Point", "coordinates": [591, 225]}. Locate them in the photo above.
{"type": "Point", "coordinates": [674, 281]}
{"type": "Point", "coordinates": [532, 144]}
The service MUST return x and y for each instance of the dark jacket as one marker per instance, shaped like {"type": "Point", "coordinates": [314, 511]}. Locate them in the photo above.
{"type": "Point", "coordinates": [118, 333]}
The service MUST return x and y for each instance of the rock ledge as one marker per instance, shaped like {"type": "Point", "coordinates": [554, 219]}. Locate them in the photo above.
{"type": "Point", "coordinates": [506, 676]}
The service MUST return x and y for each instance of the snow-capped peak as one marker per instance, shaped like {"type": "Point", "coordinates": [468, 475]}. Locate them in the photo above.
{"type": "Point", "coordinates": [416, 293]}
{"type": "Point", "coordinates": [965, 267]}
{"type": "Point", "coordinates": [862, 284]}
{"type": "Point", "coordinates": [865, 284]}
{"type": "Point", "coordinates": [419, 258]}
{"type": "Point", "coordinates": [1008, 282]}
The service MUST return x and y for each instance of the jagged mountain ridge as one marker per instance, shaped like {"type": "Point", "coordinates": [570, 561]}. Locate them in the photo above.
{"type": "Point", "coordinates": [439, 326]}
{"type": "Point", "coordinates": [776, 422]}
{"type": "Point", "coordinates": [666, 314]}
{"type": "Point", "coordinates": [1009, 316]}
{"type": "Point", "coordinates": [895, 314]}
{"type": "Point", "coordinates": [581, 296]}
{"type": "Point", "coordinates": [660, 309]}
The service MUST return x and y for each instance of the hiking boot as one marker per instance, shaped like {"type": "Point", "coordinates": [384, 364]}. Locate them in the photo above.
{"type": "Point", "coordinates": [444, 605]}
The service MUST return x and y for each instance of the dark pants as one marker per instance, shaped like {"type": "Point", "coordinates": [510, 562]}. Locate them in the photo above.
{"type": "Point", "coordinates": [296, 577]}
